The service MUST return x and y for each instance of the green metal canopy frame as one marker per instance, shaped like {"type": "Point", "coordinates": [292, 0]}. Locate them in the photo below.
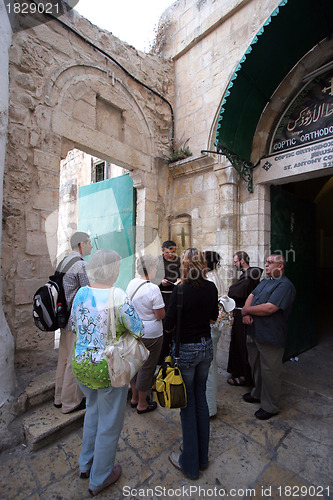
{"type": "Point", "coordinates": [293, 29]}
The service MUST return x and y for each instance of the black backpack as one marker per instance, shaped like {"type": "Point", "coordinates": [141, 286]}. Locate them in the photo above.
{"type": "Point", "coordinates": [50, 309]}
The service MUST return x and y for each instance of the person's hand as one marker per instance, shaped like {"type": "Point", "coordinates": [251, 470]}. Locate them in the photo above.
{"type": "Point", "coordinates": [245, 311]}
{"type": "Point", "coordinates": [247, 319]}
{"type": "Point", "coordinates": [165, 282]}
{"type": "Point", "coordinates": [178, 281]}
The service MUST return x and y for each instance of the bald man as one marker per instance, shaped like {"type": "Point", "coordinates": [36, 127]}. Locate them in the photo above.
{"type": "Point", "coordinates": [266, 313]}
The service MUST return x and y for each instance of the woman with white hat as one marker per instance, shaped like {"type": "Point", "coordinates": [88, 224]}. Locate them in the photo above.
{"type": "Point", "coordinates": [213, 263]}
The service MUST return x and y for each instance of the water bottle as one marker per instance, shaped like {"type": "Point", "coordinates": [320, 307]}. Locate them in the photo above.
{"type": "Point", "coordinates": [61, 315]}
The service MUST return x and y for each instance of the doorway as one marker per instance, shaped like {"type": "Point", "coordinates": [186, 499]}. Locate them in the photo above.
{"type": "Point", "coordinates": [302, 228]}
{"type": "Point", "coordinates": [107, 214]}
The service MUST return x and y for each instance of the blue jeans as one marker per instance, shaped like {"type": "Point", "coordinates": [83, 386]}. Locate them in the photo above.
{"type": "Point", "coordinates": [194, 364]}
{"type": "Point", "coordinates": [102, 426]}
{"type": "Point", "coordinates": [211, 387]}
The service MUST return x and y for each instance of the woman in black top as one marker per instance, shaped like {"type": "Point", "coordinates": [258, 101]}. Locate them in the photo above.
{"type": "Point", "coordinates": [199, 310]}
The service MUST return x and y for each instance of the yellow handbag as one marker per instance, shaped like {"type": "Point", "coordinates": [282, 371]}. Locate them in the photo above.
{"type": "Point", "coordinates": [169, 388]}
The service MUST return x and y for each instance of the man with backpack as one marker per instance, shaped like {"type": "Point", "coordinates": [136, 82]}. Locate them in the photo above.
{"type": "Point", "coordinates": [68, 396]}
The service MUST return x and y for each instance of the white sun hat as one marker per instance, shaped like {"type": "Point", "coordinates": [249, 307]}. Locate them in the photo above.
{"type": "Point", "coordinates": [228, 303]}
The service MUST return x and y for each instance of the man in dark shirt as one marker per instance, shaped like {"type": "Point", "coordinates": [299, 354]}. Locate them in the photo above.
{"type": "Point", "coordinates": [249, 278]}
{"type": "Point", "coordinates": [266, 312]}
{"type": "Point", "coordinates": [167, 275]}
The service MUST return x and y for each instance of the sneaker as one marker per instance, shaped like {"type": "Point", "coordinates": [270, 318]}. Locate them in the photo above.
{"type": "Point", "coordinates": [174, 459]}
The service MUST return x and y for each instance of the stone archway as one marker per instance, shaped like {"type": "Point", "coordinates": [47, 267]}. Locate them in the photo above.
{"type": "Point", "coordinates": [66, 95]}
{"type": "Point", "coordinates": [82, 103]}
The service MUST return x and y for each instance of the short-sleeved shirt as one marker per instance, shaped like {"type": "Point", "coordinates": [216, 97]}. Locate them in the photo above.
{"type": "Point", "coordinates": [75, 278]}
{"type": "Point", "coordinates": [89, 320]}
{"type": "Point", "coordinates": [272, 329]}
{"type": "Point", "coordinates": [146, 299]}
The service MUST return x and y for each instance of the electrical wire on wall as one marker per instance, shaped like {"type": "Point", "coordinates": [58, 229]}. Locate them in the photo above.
{"type": "Point", "coordinates": [108, 56]}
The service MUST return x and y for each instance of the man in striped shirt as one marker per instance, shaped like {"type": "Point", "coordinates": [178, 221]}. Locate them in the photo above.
{"type": "Point", "coordinates": [68, 396]}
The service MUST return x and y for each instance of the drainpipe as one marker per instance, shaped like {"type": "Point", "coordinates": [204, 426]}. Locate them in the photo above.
{"type": "Point", "coordinates": [7, 373]}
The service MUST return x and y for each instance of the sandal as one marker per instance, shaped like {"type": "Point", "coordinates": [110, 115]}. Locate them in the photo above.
{"type": "Point", "coordinates": [151, 407]}
{"type": "Point", "coordinates": [236, 381]}
{"type": "Point", "coordinates": [134, 405]}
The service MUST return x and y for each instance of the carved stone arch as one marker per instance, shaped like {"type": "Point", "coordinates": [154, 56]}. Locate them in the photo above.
{"type": "Point", "coordinates": [98, 112]}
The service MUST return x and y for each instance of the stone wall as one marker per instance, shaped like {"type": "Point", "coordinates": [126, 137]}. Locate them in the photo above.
{"type": "Point", "coordinates": [206, 189]}
{"type": "Point", "coordinates": [75, 171]}
{"type": "Point", "coordinates": [66, 94]}
{"type": "Point", "coordinates": [206, 40]}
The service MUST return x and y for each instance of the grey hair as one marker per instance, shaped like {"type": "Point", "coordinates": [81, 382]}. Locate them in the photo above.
{"type": "Point", "coordinates": [104, 266]}
{"type": "Point", "coordinates": [146, 264]}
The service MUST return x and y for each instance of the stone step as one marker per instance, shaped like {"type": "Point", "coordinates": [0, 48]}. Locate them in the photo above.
{"type": "Point", "coordinates": [41, 389]}
{"type": "Point", "coordinates": [45, 424]}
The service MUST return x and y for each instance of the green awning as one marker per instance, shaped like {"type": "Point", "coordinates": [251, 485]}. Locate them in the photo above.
{"type": "Point", "coordinates": [293, 29]}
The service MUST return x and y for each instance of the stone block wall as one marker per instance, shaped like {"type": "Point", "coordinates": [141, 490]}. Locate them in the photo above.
{"type": "Point", "coordinates": [66, 94]}
{"type": "Point", "coordinates": [206, 40]}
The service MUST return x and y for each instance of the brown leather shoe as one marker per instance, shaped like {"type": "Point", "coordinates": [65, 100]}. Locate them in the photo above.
{"type": "Point", "coordinates": [82, 406]}
{"type": "Point", "coordinates": [113, 477]}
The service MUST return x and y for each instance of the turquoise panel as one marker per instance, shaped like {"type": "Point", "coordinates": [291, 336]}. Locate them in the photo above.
{"type": "Point", "coordinates": [107, 214]}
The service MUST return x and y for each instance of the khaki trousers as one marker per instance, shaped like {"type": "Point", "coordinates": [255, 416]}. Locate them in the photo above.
{"type": "Point", "coordinates": [67, 391]}
{"type": "Point", "coordinates": [266, 365]}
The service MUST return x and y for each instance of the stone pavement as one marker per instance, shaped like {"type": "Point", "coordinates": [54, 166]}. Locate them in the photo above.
{"type": "Point", "coordinates": [289, 456]}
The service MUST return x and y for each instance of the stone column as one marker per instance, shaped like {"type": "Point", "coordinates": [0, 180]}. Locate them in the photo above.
{"type": "Point", "coordinates": [255, 222]}
{"type": "Point", "coordinates": [7, 375]}
{"type": "Point", "coordinates": [147, 239]}
{"type": "Point", "coordinates": [228, 226]}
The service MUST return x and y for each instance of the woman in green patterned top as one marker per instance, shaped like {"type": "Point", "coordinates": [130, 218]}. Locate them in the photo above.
{"type": "Point", "coordinates": [105, 404]}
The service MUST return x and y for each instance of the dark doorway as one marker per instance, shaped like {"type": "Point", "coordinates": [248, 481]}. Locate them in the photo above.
{"type": "Point", "coordinates": [302, 228]}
